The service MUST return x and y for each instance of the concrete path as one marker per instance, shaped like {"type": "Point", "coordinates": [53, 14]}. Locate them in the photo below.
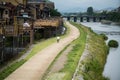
{"type": "Point", "coordinates": [34, 68]}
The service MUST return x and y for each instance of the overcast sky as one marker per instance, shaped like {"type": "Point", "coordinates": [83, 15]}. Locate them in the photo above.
{"type": "Point", "coordinates": [67, 5]}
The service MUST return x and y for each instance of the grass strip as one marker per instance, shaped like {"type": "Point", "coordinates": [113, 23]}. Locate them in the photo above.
{"type": "Point", "coordinates": [75, 54]}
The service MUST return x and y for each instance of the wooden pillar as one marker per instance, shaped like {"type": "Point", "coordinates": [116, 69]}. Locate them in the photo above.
{"type": "Point", "coordinates": [31, 37]}
{"type": "Point", "coordinates": [15, 26]}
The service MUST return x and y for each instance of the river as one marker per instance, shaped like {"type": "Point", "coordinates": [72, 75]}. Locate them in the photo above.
{"type": "Point", "coordinates": [112, 65]}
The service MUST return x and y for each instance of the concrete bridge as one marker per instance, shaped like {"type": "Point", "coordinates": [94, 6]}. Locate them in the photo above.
{"type": "Point", "coordinates": [84, 18]}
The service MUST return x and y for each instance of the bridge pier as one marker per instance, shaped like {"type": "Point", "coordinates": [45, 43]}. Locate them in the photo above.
{"type": "Point", "coordinates": [94, 19]}
{"type": "Point", "coordinates": [81, 19]}
{"type": "Point", "coordinates": [88, 19]}
{"type": "Point", "coordinates": [68, 18]}
{"type": "Point", "coordinates": [75, 19]}
{"type": "Point", "coordinates": [100, 19]}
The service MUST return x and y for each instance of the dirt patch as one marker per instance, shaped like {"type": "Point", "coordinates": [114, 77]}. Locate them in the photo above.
{"type": "Point", "coordinates": [59, 63]}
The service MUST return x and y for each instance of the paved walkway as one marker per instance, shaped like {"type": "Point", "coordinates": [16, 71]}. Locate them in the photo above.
{"type": "Point", "coordinates": [34, 68]}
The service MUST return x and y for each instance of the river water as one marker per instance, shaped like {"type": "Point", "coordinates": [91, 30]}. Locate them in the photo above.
{"type": "Point", "coordinates": [112, 67]}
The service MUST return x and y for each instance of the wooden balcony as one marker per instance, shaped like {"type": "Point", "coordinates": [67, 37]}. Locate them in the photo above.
{"type": "Point", "coordinates": [11, 31]}
{"type": "Point", "coordinates": [47, 23]}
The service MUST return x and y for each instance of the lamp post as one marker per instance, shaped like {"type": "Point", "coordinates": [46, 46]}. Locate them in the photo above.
{"type": "Point", "coordinates": [3, 42]}
{"type": "Point", "coordinates": [3, 47]}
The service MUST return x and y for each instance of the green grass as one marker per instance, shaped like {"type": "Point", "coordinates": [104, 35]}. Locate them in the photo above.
{"type": "Point", "coordinates": [38, 47]}
{"type": "Point", "coordinates": [74, 55]}
{"type": "Point", "coordinates": [10, 69]}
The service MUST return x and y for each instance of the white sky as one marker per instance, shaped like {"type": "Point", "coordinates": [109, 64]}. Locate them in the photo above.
{"type": "Point", "coordinates": [63, 5]}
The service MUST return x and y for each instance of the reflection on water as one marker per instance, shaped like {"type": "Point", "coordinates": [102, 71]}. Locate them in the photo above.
{"type": "Point", "coordinates": [112, 66]}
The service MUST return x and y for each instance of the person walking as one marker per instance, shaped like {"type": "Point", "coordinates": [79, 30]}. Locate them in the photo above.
{"type": "Point", "coordinates": [58, 39]}
{"type": "Point", "coordinates": [26, 24]}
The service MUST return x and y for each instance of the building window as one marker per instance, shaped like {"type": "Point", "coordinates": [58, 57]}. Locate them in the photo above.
{"type": "Point", "coordinates": [6, 12]}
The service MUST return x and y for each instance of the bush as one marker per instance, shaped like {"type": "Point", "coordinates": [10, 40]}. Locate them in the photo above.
{"type": "Point", "coordinates": [37, 36]}
{"type": "Point", "coordinates": [113, 43]}
{"type": "Point", "coordinates": [104, 36]}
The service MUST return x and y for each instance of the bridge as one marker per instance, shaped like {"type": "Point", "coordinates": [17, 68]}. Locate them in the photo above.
{"type": "Point", "coordinates": [84, 18]}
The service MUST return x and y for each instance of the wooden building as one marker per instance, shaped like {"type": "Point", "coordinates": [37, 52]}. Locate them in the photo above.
{"type": "Point", "coordinates": [13, 13]}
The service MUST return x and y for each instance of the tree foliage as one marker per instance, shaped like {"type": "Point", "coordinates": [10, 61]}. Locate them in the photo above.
{"type": "Point", "coordinates": [104, 36]}
{"type": "Point", "coordinates": [113, 43]}
{"type": "Point", "coordinates": [54, 12]}
{"type": "Point", "coordinates": [114, 16]}
{"type": "Point", "coordinates": [90, 10]}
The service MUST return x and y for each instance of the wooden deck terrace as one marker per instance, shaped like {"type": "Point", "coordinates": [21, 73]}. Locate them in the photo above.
{"type": "Point", "coordinates": [52, 22]}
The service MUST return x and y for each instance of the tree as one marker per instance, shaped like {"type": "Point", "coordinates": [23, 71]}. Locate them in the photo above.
{"type": "Point", "coordinates": [113, 43]}
{"type": "Point", "coordinates": [54, 12]}
{"type": "Point", "coordinates": [89, 10]}
{"type": "Point", "coordinates": [113, 16]}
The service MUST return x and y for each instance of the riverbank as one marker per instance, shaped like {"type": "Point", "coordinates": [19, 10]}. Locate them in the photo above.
{"type": "Point", "coordinates": [92, 62]}
{"type": "Point", "coordinates": [111, 69]}
{"type": "Point", "coordinates": [109, 22]}
{"type": "Point", "coordinates": [106, 22]}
